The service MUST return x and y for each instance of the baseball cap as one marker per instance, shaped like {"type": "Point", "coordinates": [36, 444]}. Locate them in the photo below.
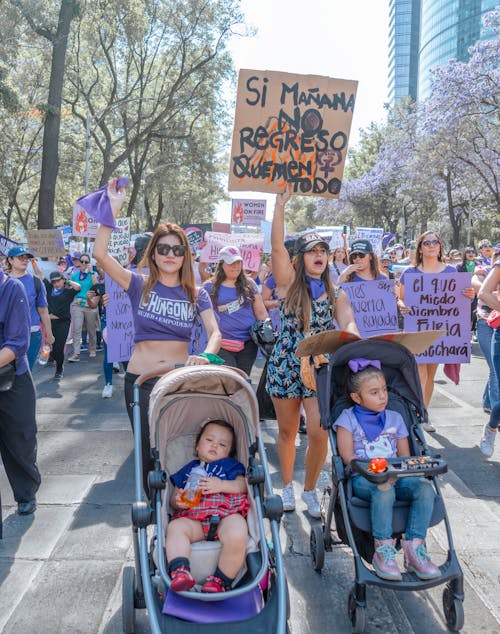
{"type": "Point", "coordinates": [307, 242]}
{"type": "Point", "coordinates": [386, 256]}
{"type": "Point", "coordinates": [230, 255]}
{"type": "Point", "coordinates": [362, 246]}
{"type": "Point", "coordinates": [398, 246]}
{"type": "Point", "coordinates": [15, 252]}
{"type": "Point", "coordinates": [485, 243]}
{"type": "Point", "coordinates": [76, 255]}
{"type": "Point", "coordinates": [56, 275]}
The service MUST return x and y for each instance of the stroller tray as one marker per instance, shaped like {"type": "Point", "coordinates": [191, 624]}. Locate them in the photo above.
{"type": "Point", "coordinates": [401, 468]}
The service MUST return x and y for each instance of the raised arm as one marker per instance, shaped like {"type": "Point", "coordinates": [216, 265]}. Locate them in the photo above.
{"type": "Point", "coordinates": [114, 269]}
{"type": "Point", "coordinates": [488, 292]}
{"type": "Point", "coordinates": [283, 270]}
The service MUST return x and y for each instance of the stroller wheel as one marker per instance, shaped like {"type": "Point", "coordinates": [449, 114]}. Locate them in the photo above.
{"type": "Point", "coordinates": [128, 595]}
{"type": "Point", "coordinates": [357, 614]}
{"type": "Point", "coordinates": [317, 547]}
{"type": "Point", "coordinates": [453, 610]}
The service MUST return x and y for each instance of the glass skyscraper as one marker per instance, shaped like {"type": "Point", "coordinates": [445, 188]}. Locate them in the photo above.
{"type": "Point", "coordinates": [404, 31]}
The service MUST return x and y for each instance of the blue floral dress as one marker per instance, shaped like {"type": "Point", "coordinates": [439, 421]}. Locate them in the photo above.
{"type": "Point", "coordinates": [283, 370]}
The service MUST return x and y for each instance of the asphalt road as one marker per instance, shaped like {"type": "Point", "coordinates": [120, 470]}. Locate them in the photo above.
{"type": "Point", "coordinates": [60, 570]}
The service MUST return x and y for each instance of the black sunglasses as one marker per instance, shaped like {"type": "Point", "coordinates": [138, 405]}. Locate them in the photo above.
{"type": "Point", "coordinates": [356, 254]}
{"type": "Point", "coordinates": [85, 261]}
{"type": "Point", "coordinates": [470, 251]}
{"type": "Point", "coordinates": [430, 243]}
{"type": "Point", "coordinates": [177, 249]}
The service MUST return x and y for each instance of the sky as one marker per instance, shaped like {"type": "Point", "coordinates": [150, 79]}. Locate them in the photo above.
{"type": "Point", "coordinates": [342, 39]}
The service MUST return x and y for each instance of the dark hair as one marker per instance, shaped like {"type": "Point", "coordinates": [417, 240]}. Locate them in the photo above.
{"type": "Point", "coordinates": [221, 423]}
{"type": "Point", "coordinates": [418, 259]}
{"type": "Point", "coordinates": [464, 255]}
{"type": "Point", "coordinates": [374, 267]}
{"type": "Point", "coordinates": [356, 379]}
{"type": "Point", "coordinates": [244, 287]}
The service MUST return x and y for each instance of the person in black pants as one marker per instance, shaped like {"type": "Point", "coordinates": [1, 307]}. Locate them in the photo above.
{"type": "Point", "coordinates": [17, 396]}
{"type": "Point", "coordinates": [60, 294]}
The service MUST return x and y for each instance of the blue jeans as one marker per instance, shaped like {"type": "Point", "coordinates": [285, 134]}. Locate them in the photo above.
{"type": "Point", "coordinates": [418, 491]}
{"type": "Point", "coordinates": [484, 338]}
{"type": "Point", "coordinates": [34, 347]}
{"type": "Point", "coordinates": [495, 359]}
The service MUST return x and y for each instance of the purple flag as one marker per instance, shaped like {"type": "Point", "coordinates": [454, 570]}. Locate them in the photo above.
{"type": "Point", "coordinates": [97, 204]}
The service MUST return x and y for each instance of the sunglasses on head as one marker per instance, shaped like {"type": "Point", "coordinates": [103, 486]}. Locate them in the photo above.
{"type": "Point", "coordinates": [355, 255]}
{"type": "Point", "coordinates": [177, 249]}
{"type": "Point", "coordinates": [431, 243]}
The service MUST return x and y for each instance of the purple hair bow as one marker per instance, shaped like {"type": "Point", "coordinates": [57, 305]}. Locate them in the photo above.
{"type": "Point", "coordinates": [356, 365]}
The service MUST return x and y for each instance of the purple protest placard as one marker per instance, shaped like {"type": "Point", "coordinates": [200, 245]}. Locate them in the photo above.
{"type": "Point", "coordinates": [6, 244]}
{"type": "Point", "coordinates": [374, 306]}
{"type": "Point", "coordinates": [436, 302]}
{"type": "Point", "coordinates": [119, 323]}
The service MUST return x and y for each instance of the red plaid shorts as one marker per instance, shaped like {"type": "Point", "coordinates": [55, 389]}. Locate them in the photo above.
{"type": "Point", "coordinates": [221, 504]}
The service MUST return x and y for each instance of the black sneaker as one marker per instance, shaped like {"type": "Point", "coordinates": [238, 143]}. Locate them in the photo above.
{"type": "Point", "coordinates": [58, 376]}
{"type": "Point", "coordinates": [302, 425]}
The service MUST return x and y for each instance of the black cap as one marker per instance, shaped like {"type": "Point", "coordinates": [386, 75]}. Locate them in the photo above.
{"type": "Point", "coordinates": [361, 246]}
{"type": "Point", "coordinates": [307, 242]}
{"type": "Point", "coordinates": [56, 275]}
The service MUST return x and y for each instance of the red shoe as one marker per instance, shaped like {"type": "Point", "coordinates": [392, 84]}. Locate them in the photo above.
{"type": "Point", "coordinates": [182, 580]}
{"type": "Point", "coordinates": [213, 584]}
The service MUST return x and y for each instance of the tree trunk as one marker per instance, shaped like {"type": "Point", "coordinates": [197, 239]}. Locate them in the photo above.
{"type": "Point", "coordinates": [50, 153]}
{"type": "Point", "coordinates": [455, 224]}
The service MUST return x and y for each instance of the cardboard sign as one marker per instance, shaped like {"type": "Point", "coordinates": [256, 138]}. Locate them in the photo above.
{"type": "Point", "coordinates": [221, 227]}
{"type": "Point", "coordinates": [6, 244]}
{"type": "Point", "coordinates": [195, 234]}
{"type": "Point", "coordinates": [45, 243]}
{"type": "Point", "coordinates": [250, 245]}
{"type": "Point", "coordinates": [83, 225]}
{"type": "Point", "coordinates": [373, 235]}
{"type": "Point", "coordinates": [374, 306]}
{"type": "Point", "coordinates": [436, 302]}
{"type": "Point", "coordinates": [290, 128]}
{"type": "Point", "coordinates": [119, 323]}
{"type": "Point", "coordinates": [120, 240]}
{"type": "Point", "coordinates": [248, 212]}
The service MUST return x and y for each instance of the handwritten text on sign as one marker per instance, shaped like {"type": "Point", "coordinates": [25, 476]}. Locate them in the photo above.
{"type": "Point", "coordinates": [290, 129]}
{"type": "Point", "coordinates": [436, 302]}
{"type": "Point", "coordinates": [45, 242]}
{"type": "Point", "coordinates": [250, 245]}
{"type": "Point", "coordinates": [119, 323]}
{"type": "Point", "coordinates": [374, 306]}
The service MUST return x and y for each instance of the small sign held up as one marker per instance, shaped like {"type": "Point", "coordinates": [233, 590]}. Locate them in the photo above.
{"type": "Point", "coordinates": [248, 212]}
{"type": "Point", "coordinates": [46, 243]}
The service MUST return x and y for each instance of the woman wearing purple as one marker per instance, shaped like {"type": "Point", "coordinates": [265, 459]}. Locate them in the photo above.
{"type": "Point", "coordinates": [364, 265]}
{"type": "Point", "coordinates": [238, 306]}
{"type": "Point", "coordinates": [164, 303]}
{"type": "Point", "coordinates": [17, 396]}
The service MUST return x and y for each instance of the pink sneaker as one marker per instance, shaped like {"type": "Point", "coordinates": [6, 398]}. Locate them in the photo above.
{"type": "Point", "coordinates": [417, 559]}
{"type": "Point", "coordinates": [384, 560]}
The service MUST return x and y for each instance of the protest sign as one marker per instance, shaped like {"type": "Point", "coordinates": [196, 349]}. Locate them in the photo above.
{"type": "Point", "coordinates": [83, 225]}
{"type": "Point", "coordinates": [436, 302]}
{"type": "Point", "coordinates": [44, 243]}
{"type": "Point", "coordinates": [120, 240]}
{"type": "Point", "coordinates": [6, 244]}
{"type": "Point", "coordinates": [265, 228]}
{"type": "Point", "coordinates": [195, 234]}
{"type": "Point", "coordinates": [221, 227]}
{"type": "Point", "coordinates": [119, 323]}
{"type": "Point", "coordinates": [245, 211]}
{"type": "Point", "coordinates": [290, 128]}
{"type": "Point", "coordinates": [334, 234]}
{"type": "Point", "coordinates": [373, 235]}
{"type": "Point", "coordinates": [250, 245]}
{"type": "Point", "coordinates": [374, 306]}
{"type": "Point", "coordinates": [66, 233]}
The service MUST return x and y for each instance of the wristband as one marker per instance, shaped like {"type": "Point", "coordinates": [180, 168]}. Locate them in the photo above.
{"type": "Point", "coordinates": [213, 358]}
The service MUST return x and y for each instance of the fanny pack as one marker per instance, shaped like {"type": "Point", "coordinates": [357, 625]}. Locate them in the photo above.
{"type": "Point", "coordinates": [493, 320]}
{"type": "Point", "coordinates": [7, 376]}
{"type": "Point", "coordinates": [232, 345]}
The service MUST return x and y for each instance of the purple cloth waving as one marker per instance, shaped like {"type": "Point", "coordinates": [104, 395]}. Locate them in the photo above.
{"type": "Point", "coordinates": [356, 365]}
{"type": "Point", "coordinates": [97, 204]}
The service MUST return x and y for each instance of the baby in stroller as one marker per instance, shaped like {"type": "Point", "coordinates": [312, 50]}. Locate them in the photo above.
{"type": "Point", "coordinates": [223, 491]}
{"type": "Point", "coordinates": [368, 430]}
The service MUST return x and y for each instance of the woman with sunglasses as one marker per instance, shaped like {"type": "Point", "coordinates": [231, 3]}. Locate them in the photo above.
{"type": "Point", "coordinates": [468, 265]}
{"type": "Point", "coordinates": [81, 313]}
{"type": "Point", "coordinates": [309, 304]}
{"type": "Point", "coordinates": [165, 304]}
{"type": "Point", "coordinates": [364, 265]}
{"type": "Point", "coordinates": [429, 258]}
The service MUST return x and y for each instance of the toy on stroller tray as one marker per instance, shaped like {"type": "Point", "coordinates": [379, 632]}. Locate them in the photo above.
{"type": "Point", "coordinates": [257, 601]}
{"type": "Point", "coordinates": [352, 514]}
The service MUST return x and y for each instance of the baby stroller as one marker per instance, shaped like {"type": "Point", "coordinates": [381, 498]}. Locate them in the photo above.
{"type": "Point", "coordinates": [352, 515]}
{"type": "Point", "coordinates": [180, 401]}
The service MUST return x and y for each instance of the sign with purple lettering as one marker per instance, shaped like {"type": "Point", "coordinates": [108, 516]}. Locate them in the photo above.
{"type": "Point", "coordinates": [250, 245]}
{"type": "Point", "coordinates": [119, 323]}
{"type": "Point", "coordinates": [248, 212]}
{"type": "Point", "coordinates": [374, 306]}
{"type": "Point", "coordinates": [6, 244]}
{"type": "Point", "coordinates": [436, 302]}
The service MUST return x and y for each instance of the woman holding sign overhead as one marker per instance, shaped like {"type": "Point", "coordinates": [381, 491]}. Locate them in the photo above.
{"type": "Point", "coordinates": [429, 258]}
{"type": "Point", "coordinates": [164, 303]}
{"type": "Point", "coordinates": [309, 304]}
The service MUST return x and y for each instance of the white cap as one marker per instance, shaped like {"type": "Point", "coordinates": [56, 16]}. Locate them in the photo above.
{"type": "Point", "coordinates": [230, 255]}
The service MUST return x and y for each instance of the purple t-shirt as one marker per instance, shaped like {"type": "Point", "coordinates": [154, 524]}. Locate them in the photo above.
{"type": "Point", "coordinates": [271, 284]}
{"type": "Point", "coordinates": [35, 300]}
{"type": "Point", "coordinates": [413, 269]}
{"type": "Point", "coordinates": [225, 469]}
{"type": "Point", "coordinates": [14, 320]}
{"type": "Point", "coordinates": [235, 316]}
{"type": "Point", "coordinates": [168, 315]}
{"type": "Point", "coordinates": [357, 278]}
{"type": "Point", "coordinates": [385, 445]}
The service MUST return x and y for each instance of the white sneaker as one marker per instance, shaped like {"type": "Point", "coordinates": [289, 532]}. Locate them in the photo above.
{"type": "Point", "coordinates": [312, 502]}
{"type": "Point", "coordinates": [428, 426]}
{"type": "Point", "coordinates": [288, 496]}
{"type": "Point", "coordinates": [487, 443]}
{"type": "Point", "coordinates": [107, 391]}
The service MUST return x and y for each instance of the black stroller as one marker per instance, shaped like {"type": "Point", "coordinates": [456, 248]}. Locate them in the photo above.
{"type": "Point", "coordinates": [180, 401]}
{"type": "Point", "coordinates": [352, 515]}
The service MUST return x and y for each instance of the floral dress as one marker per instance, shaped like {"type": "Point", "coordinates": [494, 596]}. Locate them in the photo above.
{"type": "Point", "coordinates": [283, 370]}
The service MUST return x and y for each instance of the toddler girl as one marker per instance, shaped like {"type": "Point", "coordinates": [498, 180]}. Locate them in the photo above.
{"type": "Point", "coordinates": [366, 431]}
{"type": "Point", "coordinates": [223, 494]}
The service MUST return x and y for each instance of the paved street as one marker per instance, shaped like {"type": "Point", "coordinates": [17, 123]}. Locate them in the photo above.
{"type": "Point", "coordinates": [60, 570]}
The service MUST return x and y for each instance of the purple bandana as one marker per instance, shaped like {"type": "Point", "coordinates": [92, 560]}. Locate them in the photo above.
{"type": "Point", "coordinates": [371, 422]}
{"type": "Point", "coordinates": [356, 365]}
{"type": "Point", "coordinates": [97, 204]}
{"type": "Point", "coordinates": [316, 286]}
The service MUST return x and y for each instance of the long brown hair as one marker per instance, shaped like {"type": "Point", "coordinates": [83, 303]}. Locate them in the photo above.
{"type": "Point", "coordinates": [298, 297]}
{"type": "Point", "coordinates": [243, 284]}
{"type": "Point", "coordinates": [418, 259]}
{"type": "Point", "coordinates": [186, 273]}
{"type": "Point", "coordinates": [374, 268]}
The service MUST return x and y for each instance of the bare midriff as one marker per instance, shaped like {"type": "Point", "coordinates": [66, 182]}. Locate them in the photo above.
{"type": "Point", "coordinates": [150, 355]}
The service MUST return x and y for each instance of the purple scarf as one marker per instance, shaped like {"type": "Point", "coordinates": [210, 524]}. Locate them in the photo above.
{"type": "Point", "coordinates": [317, 287]}
{"type": "Point", "coordinates": [372, 423]}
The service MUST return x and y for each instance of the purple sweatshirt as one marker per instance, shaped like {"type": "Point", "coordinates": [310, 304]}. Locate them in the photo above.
{"type": "Point", "coordinates": [14, 320]}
